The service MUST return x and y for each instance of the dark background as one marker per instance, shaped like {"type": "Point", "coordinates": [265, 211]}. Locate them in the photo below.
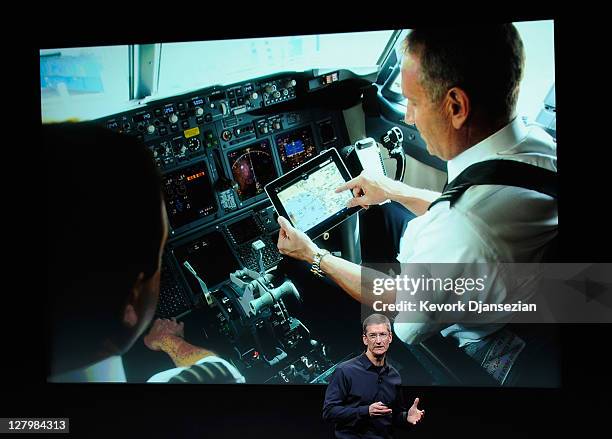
{"type": "Point", "coordinates": [579, 407]}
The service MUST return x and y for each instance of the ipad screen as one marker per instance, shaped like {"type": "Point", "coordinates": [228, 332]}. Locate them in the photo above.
{"type": "Point", "coordinates": [311, 199]}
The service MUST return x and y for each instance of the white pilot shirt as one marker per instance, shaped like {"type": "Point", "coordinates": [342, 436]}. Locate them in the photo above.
{"type": "Point", "coordinates": [110, 370]}
{"type": "Point", "coordinates": [165, 376]}
{"type": "Point", "coordinates": [489, 223]}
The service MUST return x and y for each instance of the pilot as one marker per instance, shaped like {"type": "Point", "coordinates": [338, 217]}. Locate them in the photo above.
{"type": "Point", "coordinates": [364, 396]}
{"type": "Point", "coordinates": [107, 228]}
{"type": "Point", "coordinates": [462, 86]}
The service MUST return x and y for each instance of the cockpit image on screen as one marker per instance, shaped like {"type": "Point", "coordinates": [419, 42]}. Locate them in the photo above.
{"type": "Point", "coordinates": [252, 168]}
{"type": "Point", "coordinates": [295, 147]}
{"type": "Point", "coordinates": [189, 195]}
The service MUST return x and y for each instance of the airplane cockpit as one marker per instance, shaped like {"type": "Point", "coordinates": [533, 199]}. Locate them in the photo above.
{"type": "Point", "coordinates": [222, 119]}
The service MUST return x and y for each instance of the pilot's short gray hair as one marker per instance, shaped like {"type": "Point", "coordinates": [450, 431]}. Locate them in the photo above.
{"type": "Point", "coordinates": [376, 319]}
{"type": "Point", "coordinates": [486, 61]}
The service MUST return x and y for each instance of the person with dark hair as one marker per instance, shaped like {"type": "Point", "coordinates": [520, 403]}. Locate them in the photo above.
{"type": "Point", "coordinates": [461, 85]}
{"type": "Point", "coordinates": [106, 230]}
{"type": "Point", "coordinates": [364, 397]}
{"type": "Point", "coordinates": [107, 227]}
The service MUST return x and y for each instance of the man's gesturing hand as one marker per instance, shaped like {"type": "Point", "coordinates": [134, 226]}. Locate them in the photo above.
{"type": "Point", "coordinates": [414, 414]}
{"type": "Point", "coordinates": [367, 188]}
{"type": "Point", "coordinates": [378, 409]}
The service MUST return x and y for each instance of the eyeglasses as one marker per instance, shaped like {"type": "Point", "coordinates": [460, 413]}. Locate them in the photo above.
{"type": "Point", "coordinates": [374, 337]}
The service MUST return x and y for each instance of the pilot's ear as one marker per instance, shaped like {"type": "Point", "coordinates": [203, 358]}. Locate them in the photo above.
{"type": "Point", "coordinates": [130, 315]}
{"type": "Point", "coordinates": [457, 106]}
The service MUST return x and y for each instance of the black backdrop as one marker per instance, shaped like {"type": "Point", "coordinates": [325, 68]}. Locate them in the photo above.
{"type": "Point", "coordinates": [579, 407]}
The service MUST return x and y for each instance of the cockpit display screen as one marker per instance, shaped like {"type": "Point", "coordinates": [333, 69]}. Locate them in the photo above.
{"type": "Point", "coordinates": [295, 147]}
{"type": "Point", "coordinates": [244, 230]}
{"type": "Point", "coordinates": [252, 168]}
{"type": "Point", "coordinates": [189, 195]}
{"type": "Point", "coordinates": [211, 258]}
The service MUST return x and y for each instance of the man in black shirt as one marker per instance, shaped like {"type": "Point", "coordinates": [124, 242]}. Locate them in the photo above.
{"type": "Point", "coordinates": [364, 397]}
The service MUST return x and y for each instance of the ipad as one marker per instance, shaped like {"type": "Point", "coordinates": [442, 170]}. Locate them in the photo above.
{"type": "Point", "coordinates": [306, 197]}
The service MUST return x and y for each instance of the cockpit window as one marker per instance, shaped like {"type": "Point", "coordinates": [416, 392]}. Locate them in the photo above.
{"type": "Point", "coordinates": [83, 82]}
{"type": "Point", "coordinates": [191, 65]}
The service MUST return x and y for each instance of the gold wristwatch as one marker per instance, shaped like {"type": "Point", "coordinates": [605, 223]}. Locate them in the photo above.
{"type": "Point", "coordinates": [316, 263]}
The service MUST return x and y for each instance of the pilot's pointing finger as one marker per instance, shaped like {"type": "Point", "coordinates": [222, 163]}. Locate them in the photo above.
{"type": "Point", "coordinates": [348, 185]}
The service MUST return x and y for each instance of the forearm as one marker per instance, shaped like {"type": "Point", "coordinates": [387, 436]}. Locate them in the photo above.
{"type": "Point", "coordinates": [400, 412]}
{"type": "Point", "coordinates": [350, 277]}
{"type": "Point", "coordinates": [181, 352]}
{"type": "Point", "coordinates": [414, 199]}
{"type": "Point", "coordinates": [400, 418]}
{"type": "Point", "coordinates": [339, 413]}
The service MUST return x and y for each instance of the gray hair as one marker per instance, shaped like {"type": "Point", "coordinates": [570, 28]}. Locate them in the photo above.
{"type": "Point", "coordinates": [486, 61]}
{"type": "Point", "coordinates": [376, 319]}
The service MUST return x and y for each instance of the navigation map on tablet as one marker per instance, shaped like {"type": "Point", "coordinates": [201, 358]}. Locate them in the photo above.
{"type": "Point", "coordinates": [312, 199]}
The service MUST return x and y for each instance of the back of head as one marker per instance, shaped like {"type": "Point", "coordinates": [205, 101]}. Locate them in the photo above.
{"type": "Point", "coordinates": [486, 61]}
{"type": "Point", "coordinates": [104, 228]}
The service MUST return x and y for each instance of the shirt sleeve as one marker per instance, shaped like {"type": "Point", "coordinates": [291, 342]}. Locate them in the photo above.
{"type": "Point", "coordinates": [334, 408]}
{"type": "Point", "coordinates": [415, 333]}
{"type": "Point", "coordinates": [165, 376]}
{"type": "Point", "coordinates": [448, 248]}
{"type": "Point", "coordinates": [450, 237]}
{"type": "Point", "coordinates": [400, 413]}
{"type": "Point", "coordinates": [238, 377]}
